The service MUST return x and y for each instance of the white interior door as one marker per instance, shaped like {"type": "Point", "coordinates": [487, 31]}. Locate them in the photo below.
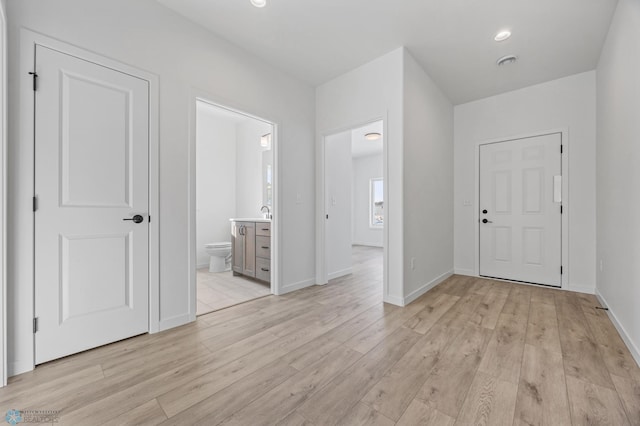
{"type": "Point", "coordinates": [520, 210]}
{"type": "Point", "coordinates": [91, 148]}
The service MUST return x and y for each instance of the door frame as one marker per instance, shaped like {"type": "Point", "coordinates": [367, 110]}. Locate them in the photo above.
{"type": "Point", "coordinates": [25, 279]}
{"type": "Point", "coordinates": [229, 105]}
{"type": "Point", "coordinates": [564, 140]}
{"type": "Point", "coordinates": [3, 196]}
{"type": "Point", "coordinates": [321, 204]}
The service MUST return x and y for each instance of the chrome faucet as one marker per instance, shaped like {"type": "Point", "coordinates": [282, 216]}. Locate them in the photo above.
{"type": "Point", "coordinates": [267, 215]}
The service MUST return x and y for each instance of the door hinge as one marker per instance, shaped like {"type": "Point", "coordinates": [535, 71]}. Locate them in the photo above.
{"type": "Point", "coordinates": [561, 149]}
{"type": "Point", "coordinates": [35, 80]}
{"type": "Point", "coordinates": [35, 325]}
{"type": "Point", "coordinates": [561, 211]}
{"type": "Point", "coordinates": [561, 270]}
{"type": "Point", "coordinates": [35, 203]}
{"type": "Point", "coordinates": [327, 216]}
{"type": "Point", "coordinates": [149, 218]}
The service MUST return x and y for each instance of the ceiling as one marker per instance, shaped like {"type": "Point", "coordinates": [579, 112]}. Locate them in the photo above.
{"type": "Point", "coordinates": [361, 147]}
{"type": "Point", "coordinates": [316, 41]}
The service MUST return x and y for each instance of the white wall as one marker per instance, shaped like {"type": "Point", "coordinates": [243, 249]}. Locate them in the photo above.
{"type": "Point", "coordinates": [565, 103]}
{"type": "Point", "coordinates": [185, 57]}
{"type": "Point", "coordinates": [215, 179]}
{"type": "Point", "coordinates": [428, 182]}
{"type": "Point", "coordinates": [3, 194]}
{"type": "Point", "coordinates": [249, 167]}
{"type": "Point", "coordinates": [365, 169]}
{"type": "Point", "coordinates": [618, 174]}
{"type": "Point", "coordinates": [338, 189]}
{"type": "Point", "coordinates": [369, 93]}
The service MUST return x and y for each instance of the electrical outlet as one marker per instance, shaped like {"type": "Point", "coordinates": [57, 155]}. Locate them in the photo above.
{"type": "Point", "coordinates": [413, 263]}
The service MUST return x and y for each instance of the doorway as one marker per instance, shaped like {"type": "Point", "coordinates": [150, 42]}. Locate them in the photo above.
{"type": "Point", "coordinates": [91, 204]}
{"type": "Point", "coordinates": [234, 206]}
{"type": "Point", "coordinates": [520, 210]}
{"type": "Point", "coordinates": [354, 202]}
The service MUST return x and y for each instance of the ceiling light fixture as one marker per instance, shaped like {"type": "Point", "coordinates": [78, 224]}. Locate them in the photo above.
{"type": "Point", "coordinates": [507, 60]}
{"type": "Point", "coordinates": [502, 35]}
{"type": "Point", "coordinates": [259, 3]}
{"type": "Point", "coordinates": [374, 136]}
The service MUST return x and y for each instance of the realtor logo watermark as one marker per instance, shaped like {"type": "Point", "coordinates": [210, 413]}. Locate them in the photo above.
{"type": "Point", "coordinates": [14, 417]}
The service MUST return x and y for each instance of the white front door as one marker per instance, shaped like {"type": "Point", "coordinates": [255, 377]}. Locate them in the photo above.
{"type": "Point", "coordinates": [520, 210]}
{"type": "Point", "coordinates": [91, 173]}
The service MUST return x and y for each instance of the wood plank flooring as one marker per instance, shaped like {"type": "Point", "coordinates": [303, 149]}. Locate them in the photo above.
{"type": "Point", "coordinates": [221, 289]}
{"type": "Point", "coordinates": [469, 352]}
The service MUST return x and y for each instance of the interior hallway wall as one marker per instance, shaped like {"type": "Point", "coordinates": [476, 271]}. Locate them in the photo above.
{"type": "Point", "coordinates": [567, 103]}
{"type": "Point", "coordinates": [618, 175]}
{"type": "Point", "coordinates": [186, 58]}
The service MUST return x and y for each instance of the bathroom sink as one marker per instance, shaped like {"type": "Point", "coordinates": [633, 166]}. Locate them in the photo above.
{"type": "Point", "coordinates": [249, 219]}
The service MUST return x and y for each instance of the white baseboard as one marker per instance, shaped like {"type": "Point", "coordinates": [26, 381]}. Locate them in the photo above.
{"type": "Point", "coordinates": [288, 288]}
{"type": "Point", "coordinates": [176, 321]}
{"type": "Point", "coordinates": [466, 272]}
{"type": "Point", "coordinates": [425, 288]}
{"type": "Point", "coordinates": [338, 274]}
{"type": "Point", "coordinates": [201, 266]}
{"type": "Point", "coordinates": [393, 300]}
{"type": "Point", "coordinates": [18, 367]}
{"type": "Point", "coordinates": [358, 243]}
{"type": "Point", "coordinates": [621, 330]}
{"type": "Point", "coordinates": [581, 288]}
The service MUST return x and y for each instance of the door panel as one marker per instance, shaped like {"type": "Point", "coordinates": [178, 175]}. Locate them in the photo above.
{"type": "Point", "coordinates": [91, 277]}
{"type": "Point", "coordinates": [520, 235]}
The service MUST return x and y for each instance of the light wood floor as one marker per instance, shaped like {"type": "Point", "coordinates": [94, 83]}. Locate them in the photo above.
{"type": "Point", "coordinates": [221, 289]}
{"type": "Point", "coordinates": [469, 352]}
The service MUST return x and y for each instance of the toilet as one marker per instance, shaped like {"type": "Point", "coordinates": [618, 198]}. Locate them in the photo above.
{"type": "Point", "coordinates": [220, 256]}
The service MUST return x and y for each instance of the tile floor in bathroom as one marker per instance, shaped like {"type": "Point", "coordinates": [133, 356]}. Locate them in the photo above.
{"type": "Point", "coordinates": [221, 289]}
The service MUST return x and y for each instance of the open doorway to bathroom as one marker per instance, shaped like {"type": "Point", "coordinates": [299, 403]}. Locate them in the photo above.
{"type": "Point", "coordinates": [355, 207]}
{"type": "Point", "coordinates": [234, 207]}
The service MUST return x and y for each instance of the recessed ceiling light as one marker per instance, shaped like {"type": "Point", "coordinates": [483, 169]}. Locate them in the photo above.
{"type": "Point", "coordinates": [374, 136]}
{"type": "Point", "coordinates": [507, 60]}
{"type": "Point", "coordinates": [259, 3]}
{"type": "Point", "coordinates": [502, 35]}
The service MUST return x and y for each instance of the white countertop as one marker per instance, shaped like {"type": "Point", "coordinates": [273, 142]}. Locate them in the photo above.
{"type": "Point", "coordinates": [250, 219]}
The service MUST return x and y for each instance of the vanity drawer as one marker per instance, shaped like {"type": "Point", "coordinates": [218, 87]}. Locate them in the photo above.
{"type": "Point", "coordinates": [263, 269]}
{"type": "Point", "coordinates": [263, 247]}
{"type": "Point", "coordinates": [263, 228]}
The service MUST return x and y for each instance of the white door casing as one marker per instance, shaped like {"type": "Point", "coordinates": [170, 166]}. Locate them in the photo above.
{"type": "Point", "coordinates": [91, 172]}
{"type": "Point", "coordinates": [521, 191]}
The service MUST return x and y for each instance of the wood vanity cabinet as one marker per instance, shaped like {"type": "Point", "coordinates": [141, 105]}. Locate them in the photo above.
{"type": "Point", "coordinates": [251, 249]}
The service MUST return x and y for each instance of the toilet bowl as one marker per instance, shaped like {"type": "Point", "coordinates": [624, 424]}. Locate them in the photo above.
{"type": "Point", "coordinates": [220, 254]}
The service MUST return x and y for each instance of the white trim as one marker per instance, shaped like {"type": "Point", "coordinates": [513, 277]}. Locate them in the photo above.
{"type": "Point", "coordinates": [175, 321]}
{"type": "Point", "coordinates": [342, 273]}
{"type": "Point", "coordinates": [564, 134]}
{"type": "Point", "coordinates": [426, 287]}
{"type": "Point", "coordinates": [3, 198]}
{"type": "Point", "coordinates": [276, 211]}
{"type": "Point", "coordinates": [358, 243]}
{"type": "Point", "coordinates": [29, 39]}
{"type": "Point", "coordinates": [321, 208]}
{"type": "Point", "coordinates": [288, 288]}
{"type": "Point", "coordinates": [581, 288]}
{"type": "Point", "coordinates": [635, 352]}
{"type": "Point", "coordinates": [465, 272]}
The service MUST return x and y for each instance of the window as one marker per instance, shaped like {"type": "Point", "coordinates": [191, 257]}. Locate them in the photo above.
{"type": "Point", "coordinates": [376, 206]}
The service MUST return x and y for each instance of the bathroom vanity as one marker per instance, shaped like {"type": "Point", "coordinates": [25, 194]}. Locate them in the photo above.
{"type": "Point", "coordinates": [251, 248]}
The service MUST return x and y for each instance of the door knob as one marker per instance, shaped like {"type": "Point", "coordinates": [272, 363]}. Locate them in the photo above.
{"type": "Point", "coordinates": [486, 221]}
{"type": "Point", "coordinates": [136, 219]}
{"type": "Point", "coordinates": [484, 212]}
